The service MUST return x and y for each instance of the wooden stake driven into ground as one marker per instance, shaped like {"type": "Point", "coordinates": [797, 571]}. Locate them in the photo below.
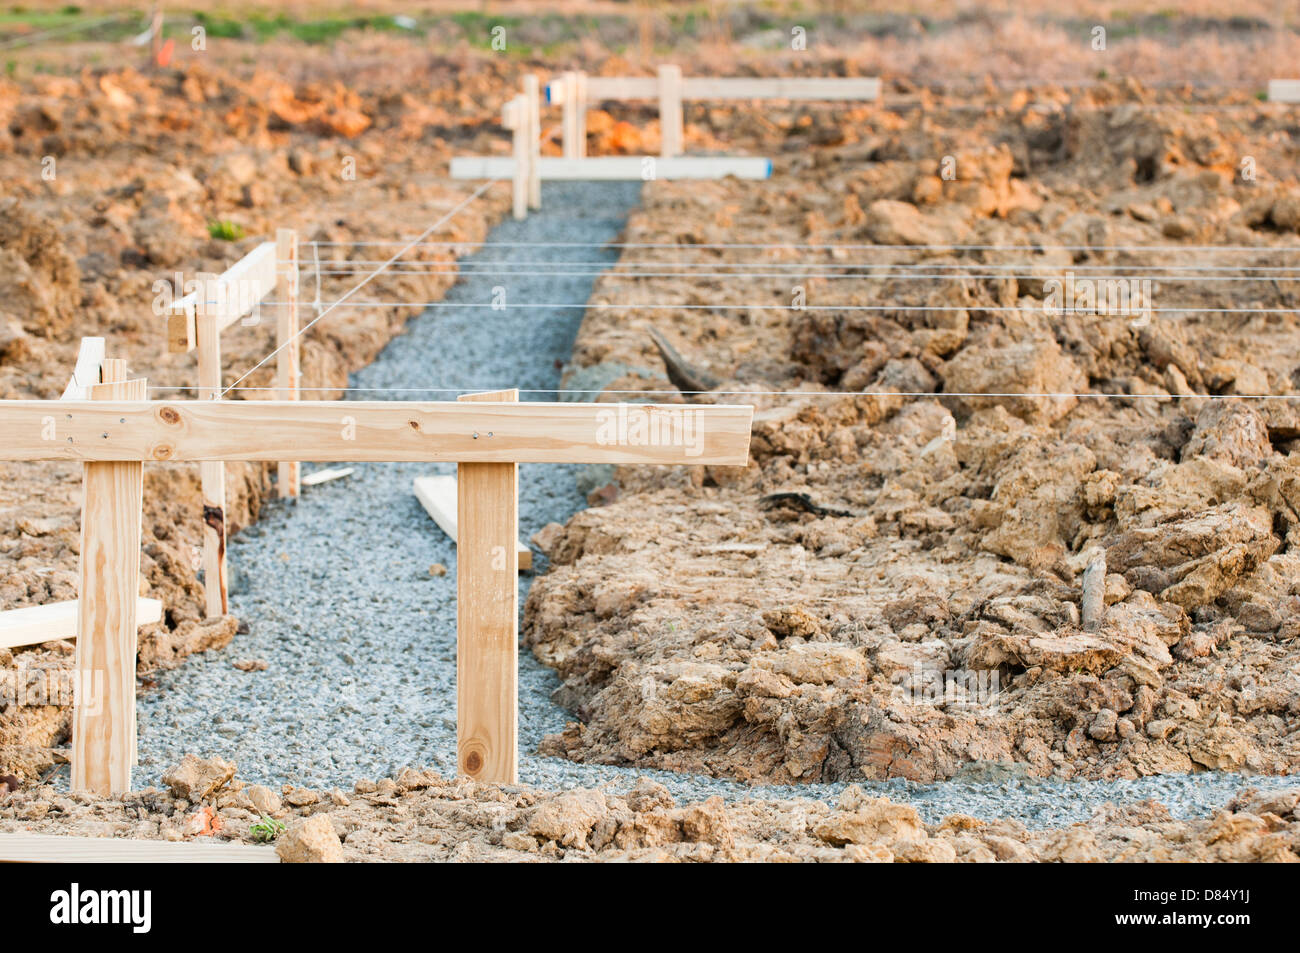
{"type": "Point", "coordinates": [514, 116]}
{"type": "Point", "coordinates": [532, 95]}
{"type": "Point", "coordinates": [103, 712]}
{"type": "Point", "coordinates": [487, 615]}
{"type": "Point", "coordinates": [286, 339]}
{"type": "Point", "coordinates": [195, 323]}
{"type": "Point", "coordinates": [212, 474]}
{"type": "Point", "coordinates": [488, 434]}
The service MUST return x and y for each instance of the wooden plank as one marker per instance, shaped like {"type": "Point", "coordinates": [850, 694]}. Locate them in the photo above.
{"type": "Point", "coordinates": [672, 128]}
{"type": "Point", "coordinates": [531, 96]}
{"type": "Point", "coordinates": [286, 341]}
{"type": "Point", "coordinates": [823, 88]}
{"type": "Point", "coordinates": [437, 494]}
{"type": "Point", "coordinates": [26, 848]}
{"type": "Point", "coordinates": [516, 116]}
{"type": "Point", "coordinates": [89, 356]}
{"type": "Point", "coordinates": [568, 137]}
{"type": "Point", "coordinates": [573, 128]}
{"type": "Point", "coordinates": [487, 616]}
{"type": "Point", "coordinates": [32, 625]}
{"type": "Point", "coordinates": [103, 713]}
{"type": "Point", "coordinates": [351, 431]}
{"type": "Point", "coordinates": [1284, 90]}
{"type": "Point", "coordinates": [616, 168]}
{"type": "Point", "coordinates": [237, 292]}
{"type": "Point", "coordinates": [622, 87]}
{"type": "Point", "coordinates": [317, 477]}
{"type": "Point", "coordinates": [212, 474]}
{"type": "Point", "coordinates": [580, 113]}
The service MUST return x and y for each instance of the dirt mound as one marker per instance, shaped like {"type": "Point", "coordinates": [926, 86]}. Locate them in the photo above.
{"type": "Point", "coordinates": [895, 586]}
{"type": "Point", "coordinates": [420, 816]}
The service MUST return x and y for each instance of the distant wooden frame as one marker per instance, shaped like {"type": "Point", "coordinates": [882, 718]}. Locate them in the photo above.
{"type": "Point", "coordinates": [671, 88]}
{"type": "Point", "coordinates": [616, 168]}
{"type": "Point", "coordinates": [811, 88]}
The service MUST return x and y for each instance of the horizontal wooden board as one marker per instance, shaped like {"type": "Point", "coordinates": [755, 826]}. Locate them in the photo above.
{"type": "Point", "coordinates": [349, 431]}
{"type": "Point", "coordinates": [325, 476]}
{"type": "Point", "coordinates": [622, 87]}
{"type": "Point", "coordinates": [32, 625]}
{"type": "Point", "coordinates": [245, 283]}
{"type": "Point", "coordinates": [824, 88]}
{"type": "Point", "coordinates": [617, 168]}
{"type": "Point", "coordinates": [437, 494]}
{"type": "Point", "coordinates": [1284, 90]}
{"type": "Point", "coordinates": [609, 87]}
{"type": "Point", "coordinates": [24, 848]}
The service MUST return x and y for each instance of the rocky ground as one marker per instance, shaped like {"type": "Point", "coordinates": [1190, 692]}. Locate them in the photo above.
{"type": "Point", "coordinates": [778, 623]}
{"type": "Point", "coordinates": [422, 816]}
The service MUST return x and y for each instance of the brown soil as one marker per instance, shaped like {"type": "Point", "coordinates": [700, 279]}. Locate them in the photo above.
{"type": "Point", "coordinates": [421, 817]}
{"type": "Point", "coordinates": [142, 163]}
{"type": "Point", "coordinates": [696, 627]}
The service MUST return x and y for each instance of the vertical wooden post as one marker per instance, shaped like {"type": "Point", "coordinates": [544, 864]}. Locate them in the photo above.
{"type": "Point", "coordinates": [212, 474]}
{"type": "Point", "coordinates": [103, 714]}
{"type": "Point", "coordinates": [286, 339]}
{"type": "Point", "coordinates": [568, 133]}
{"type": "Point", "coordinates": [580, 112]}
{"type": "Point", "coordinates": [574, 102]}
{"type": "Point", "coordinates": [532, 96]}
{"type": "Point", "coordinates": [672, 133]}
{"type": "Point", "coordinates": [487, 615]}
{"type": "Point", "coordinates": [515, 118]}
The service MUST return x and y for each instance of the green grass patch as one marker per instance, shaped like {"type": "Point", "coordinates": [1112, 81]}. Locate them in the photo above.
{"type": "Point", "coordinates": [266, 830]}
{"type": "Point", "coordinates": [226, 231]}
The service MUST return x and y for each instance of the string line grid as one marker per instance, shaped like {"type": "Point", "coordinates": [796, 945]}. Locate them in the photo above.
{"type": "Point", "coordinates": [336, 303]}
{"type": "Point", "coordinates": [1044, 395]}
{"type": "Point", "coordinates": [764, 306]}
{"type": "Point", "coordinates": [788, 246]}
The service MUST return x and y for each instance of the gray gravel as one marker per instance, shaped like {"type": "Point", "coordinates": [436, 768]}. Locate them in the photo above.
{"type": "Point", "coordinates": [360, 639]}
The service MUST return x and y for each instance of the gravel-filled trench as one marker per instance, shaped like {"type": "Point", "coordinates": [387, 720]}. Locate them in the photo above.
{"type": "Point", "coordinates": [360, 639]}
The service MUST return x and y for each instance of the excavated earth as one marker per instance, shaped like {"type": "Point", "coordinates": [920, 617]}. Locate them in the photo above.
{"type": "Point", "coordinates": [779, 623]}
{"type": "Point", "coordinates": [142, 163]}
